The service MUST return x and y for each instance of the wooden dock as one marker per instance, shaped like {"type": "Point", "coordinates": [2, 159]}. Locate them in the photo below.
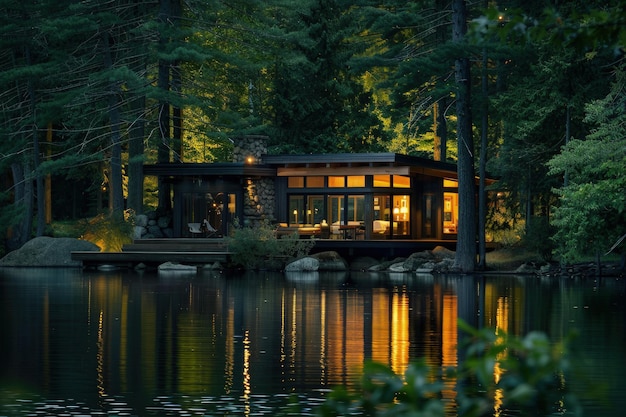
{"type": "Point", "coordinates": [202, 251]}
{"type": "Point", "coordinates": [153, 252]}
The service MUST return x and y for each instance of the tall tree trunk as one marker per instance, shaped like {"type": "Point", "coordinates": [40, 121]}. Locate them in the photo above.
{"type": "Point", "coordinates": [177, 88]}
{"type": "Point", "coordinates": [441, 130]}
{"type": "Point", "coordinates": [23, 204]}
{"type": "Point", "coordinates": [482, 167]}
{"type": "Point", "coordinates": [441, 124]}
{"type": "Point", "coordinates": [41, 207]}
{"type": "Point", "coordinates": [136, 130]}
{"type": "Point", "coordinates": [48, 179]}
{"type": "Point", "coordinates": [135, 156]}
{"type": "Point", "coordinates": [163, 83]}
{"type": "Point", "coordinates": [465, 259]}
{"type": "Point", "coordinates": [115, 180]}
{"type": "Point", "coordinates": [177, 114]}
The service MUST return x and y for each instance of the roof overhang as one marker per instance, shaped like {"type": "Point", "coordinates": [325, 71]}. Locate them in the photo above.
{"type": "Point", "coordinates": [230, 169]}
{"type": "Point", "coordinates": [359, 164]}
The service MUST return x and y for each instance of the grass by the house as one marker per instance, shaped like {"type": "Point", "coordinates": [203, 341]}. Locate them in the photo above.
{"type": "Point", "coordinates": [510, 258]}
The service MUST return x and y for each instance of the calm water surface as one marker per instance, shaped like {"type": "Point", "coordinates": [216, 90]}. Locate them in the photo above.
{"type": "Point", "coordinates": [122, 343]}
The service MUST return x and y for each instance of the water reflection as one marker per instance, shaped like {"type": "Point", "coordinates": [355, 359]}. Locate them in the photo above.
{"type": "Point", "coordinates": [134, 341]}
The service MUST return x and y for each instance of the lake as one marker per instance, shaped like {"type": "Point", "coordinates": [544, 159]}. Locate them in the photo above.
{"type": "Point", "coordinates": [78, 342]}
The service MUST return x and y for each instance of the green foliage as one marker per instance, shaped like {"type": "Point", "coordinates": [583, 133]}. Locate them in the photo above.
{"type": "Point", "coordinates": [538, 237]}
{"type": "Point", "coordinates": [592, 211]}
{"type": "Point", "coordinates": [109, 232]}
{"type": "Point", "coordinates": [257, 246]}
{"type": "Point", "coordinates": [384, 393]}
{"type": "Point", "coordinates": [497, 372]}
{"type": "Point", "coordinates": [584, 25]}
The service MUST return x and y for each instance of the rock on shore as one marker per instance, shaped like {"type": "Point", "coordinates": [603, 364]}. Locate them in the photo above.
{"type": "Point", "coordinates": [439, 260]}
{"type": "Point", "coordinates": [48, 251]}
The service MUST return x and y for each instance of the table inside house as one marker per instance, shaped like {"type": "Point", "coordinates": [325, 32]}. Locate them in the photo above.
{"type": "Point", "coordinates": [349, 231]}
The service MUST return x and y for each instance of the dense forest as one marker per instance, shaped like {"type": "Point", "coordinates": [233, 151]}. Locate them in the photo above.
{"type": "Point", "coordinates": [531, 92]}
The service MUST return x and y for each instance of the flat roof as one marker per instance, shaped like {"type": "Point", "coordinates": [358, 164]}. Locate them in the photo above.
{"type": "Point", "coordinates": [271, 163]}
{"type": "Point", "coordinates": [235, 169]}
{"type": "Point", "coordinates": [416, 164]}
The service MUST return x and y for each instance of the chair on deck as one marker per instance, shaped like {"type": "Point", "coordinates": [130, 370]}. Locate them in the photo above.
{"type": "Point", "coordinates": [207, 229]}
{"type": "Point", "coordinates": [201, 229]}
{"type": "Point", "coordinates": [194, 229]}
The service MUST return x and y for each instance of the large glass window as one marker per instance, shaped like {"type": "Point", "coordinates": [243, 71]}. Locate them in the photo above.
{"type": "Point", "coordinates": [336, 204]}
{"type": "Point", "coordinates": [296, 210]}
{"type": "Point", "coordinates": [450, 206]}
{"type": "Point", "coordinates": [356, 208]}
{"type": "Point", "coordinates": [315, 209]}
{"type": "Point", "coordinates": [381, 225]}
{"type": "Point", "coordinates": [401, 215]}
{"type": "Point", "coordinates": [450, 212]}
{"type": "Point", "coordinates": [390, 214]}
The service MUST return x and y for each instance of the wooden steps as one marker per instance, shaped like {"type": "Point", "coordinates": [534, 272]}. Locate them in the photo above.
{"type": "Point", "coordinates": [157, 251]}
{"type": "Point", "coordinates": [177, 245]}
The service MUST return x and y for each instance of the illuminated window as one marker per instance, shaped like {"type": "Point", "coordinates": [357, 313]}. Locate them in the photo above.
{"type": "Point", "coordinates": [315, 209]}
{"type": "Point", "coordinates": [297, 214]}
{"type": "Point", "coordinates": [335, 209]}
{"type": "Point", "coordinates": [314, 182]}
{"type": "Point", "coordinates": [295, 182]}
{"type": "Point", "coordinates": [400, 181]}
{"type": "Point", "coordinates": [450, 183]}
{"type": "Point", "coordinates": [401, 214]}
{"type": "Point", "coordinates": [382, 180]}
{"type": "Point", "coordinates": [450, 212]}
{"type": "Point", "coordinates": [337, 182]}
{"type": "Point", "coordinates": [356, 181]}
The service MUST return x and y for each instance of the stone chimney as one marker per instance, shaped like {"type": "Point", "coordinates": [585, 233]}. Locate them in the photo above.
{"type": "Point", "coordinates": [249, 148]}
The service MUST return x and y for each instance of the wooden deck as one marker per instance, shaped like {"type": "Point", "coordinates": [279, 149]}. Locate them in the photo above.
{"type": "Point", "coordinates": [201, 251]}
{"type": "Point", "coordinates": [153, 252]}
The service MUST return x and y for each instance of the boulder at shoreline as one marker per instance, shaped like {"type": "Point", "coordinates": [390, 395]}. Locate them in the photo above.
{"type": "Point", "coordinates": [47, 251]}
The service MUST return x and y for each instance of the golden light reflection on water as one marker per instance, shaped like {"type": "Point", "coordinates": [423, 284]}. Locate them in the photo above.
{"type": "Point", "coordinates": [293, 320]}
{"type": "Point", "coordinates": [103, 335]}
{"type": "Point", "coordinates": [229, 362]}
{"type": "Point", "coordinates": [399, 330]}
{"type": "Point", "coordinates": [329, 333]}
{"type": "Point", "coordinates": [247, 386]}
{"type": "Point", "coordinates": [100, 366]}
{"type": "Point", "coordinates": [449, 343]}
{"type": "Point", "coordinates": [502, 323]}
{"type": "Point", "coordinates": [323, 357]}
{"type": "Point", "coordinates": [380, 318]}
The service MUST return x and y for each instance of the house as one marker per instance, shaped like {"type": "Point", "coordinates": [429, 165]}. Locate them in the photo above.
{"type": "Point", "coordinates": [368, 197]}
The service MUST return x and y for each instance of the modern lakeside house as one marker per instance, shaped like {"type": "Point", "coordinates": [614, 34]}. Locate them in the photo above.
{"type": "Point", "coordinates": [371, 199]}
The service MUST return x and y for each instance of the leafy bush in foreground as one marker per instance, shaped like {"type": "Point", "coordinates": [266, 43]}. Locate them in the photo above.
{"type": "Point", "coordinates": [497, 372]}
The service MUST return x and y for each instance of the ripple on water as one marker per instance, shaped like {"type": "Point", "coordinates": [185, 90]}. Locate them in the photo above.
{"type": "Point", "coordinates": [255, 405]}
